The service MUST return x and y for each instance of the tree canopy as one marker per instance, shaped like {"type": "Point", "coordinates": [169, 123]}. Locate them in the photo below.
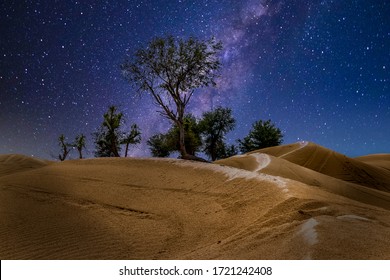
{"type": "Point", "coordinates": [79, 144]}
{"type": "Point", "coordinates": [159, 146]}
{"type": "Point", "coordinates": [108, 137]}
{"type": "Point", "coordinates": [262, 135]}
{"type": "Point", "coordinates": [133, 137]}
{"type": "Point", "coordinates": [214, 125]}
{"type": "Point", "coordinates": [162, 145]}
{"type": "Point", "coordinates": [170, 70]}
{"type": "Point", "coordinates": [204, 135]}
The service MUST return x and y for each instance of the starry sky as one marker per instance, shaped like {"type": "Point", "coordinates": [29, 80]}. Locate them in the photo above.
{"type": "Point", "coordinates": [320, 70]}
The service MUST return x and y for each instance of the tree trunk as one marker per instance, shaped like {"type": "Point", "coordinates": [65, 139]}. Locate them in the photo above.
{"type": "Point", "coordinates": [212, 149]}
{"type": "Point", "coordinates": [182, 145]}
{"type": "Point", "coordinates": [127, 149]}
{"type": "Point", "coordinates": [64, 154]}
{"type": "Point", "coordinates": [80, 154]}
{"type": "Point", "coordinates": [114, 149]}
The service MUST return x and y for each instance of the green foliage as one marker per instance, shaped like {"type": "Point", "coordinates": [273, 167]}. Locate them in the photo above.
{"type": "Point", "coordinates": [162, 145]}
{"type": "Point", "coordinates": [192, 139]}
{"type": "Point", "coordinates": [262, 135]}
{"type": "Point", "coordinates": [170, 69]}
{"type": "Point", "coordinates": [230, 151]}
{"type": "Point", "coordinates": [214, 126]}
{"type": "Point", "coordinates": [225, 151]}
{"type": "Point", "coordinates": [158, 145]}
{"type": "Point", "coordinates": [108, 137]}
{"type": "Point", "coordinates": [134, 137]}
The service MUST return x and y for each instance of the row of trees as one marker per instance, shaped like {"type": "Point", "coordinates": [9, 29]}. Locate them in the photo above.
{"type": "Point", "coordinates": [208, 135]}
{"type": "Point", "coordinates": [108, 139]}
{"type": "Point", "coordinates": [78, 144]}
{"type": "Point", "coordinates": [171, 70]}
{"type": "Point", "coordinates": [110, 136]}
{"type": "Point", "coordinates": [205, 135]}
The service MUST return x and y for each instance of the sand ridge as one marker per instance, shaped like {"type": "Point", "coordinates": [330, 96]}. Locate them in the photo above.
{"type": "Point", "coordinates": [331, 163]}
{"type": "Point", "coordinates": [378, 160]}
{"type": "Point", "coordinates": [16, 163]}
{"type": "Point", "coordinates": [288, 170]}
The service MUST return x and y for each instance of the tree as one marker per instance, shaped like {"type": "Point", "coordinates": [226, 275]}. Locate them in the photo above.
{"type": "Point", "coordinates": [214, 126]}
{"type": "Point", "coordinates": [108, 137]}
{"type": "Point", "coordinates": [102, 147]}
{"type": "Point", "coordinates": [134, 137]}
{"type": "Point", "coordinates": [162, 145]}
{"type": "Point", "coordinates": [158, 145]}
{"type": "Point", "coordinates": [79, 144]}
{"type": "Point", "coordinates": [64, 148]}
{"type": "Point", "coordinates": [225, 151]}
{"type": "Point", "coordinates": [192, 141]}
{"type": "Point", "coordinates": [170, 70]}
{"type": "Point", "coordinates": [262, 135]}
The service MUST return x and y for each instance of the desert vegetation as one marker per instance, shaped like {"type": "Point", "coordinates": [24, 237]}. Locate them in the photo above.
{"type": "Point", "coordinates": [171, 70]}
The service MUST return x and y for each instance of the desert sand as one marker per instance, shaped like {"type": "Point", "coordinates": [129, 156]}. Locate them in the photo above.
{"type": "Point", "coordinates": [299, 201]}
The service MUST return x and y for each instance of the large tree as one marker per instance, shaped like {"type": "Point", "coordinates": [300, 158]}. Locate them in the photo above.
{"type": "Point", "coordinates": [170, 70]}
{"type": "Point", "coordinates": [108, 137]}
{"type": "Point", "coordinates": [262, 135]}
{"type": "Point", "coordinates": [214, 125]}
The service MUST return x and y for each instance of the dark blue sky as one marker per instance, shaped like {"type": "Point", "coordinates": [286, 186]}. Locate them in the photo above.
{"type": "Point", "coordinates": [320, 70]}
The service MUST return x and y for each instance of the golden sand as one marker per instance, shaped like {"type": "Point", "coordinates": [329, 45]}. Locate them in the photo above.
{"type": "Point", "coordinates": [299, 201]}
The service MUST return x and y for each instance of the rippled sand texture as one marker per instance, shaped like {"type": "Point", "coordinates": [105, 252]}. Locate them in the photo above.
{"type": "Point", "coordinates": [299, 201]}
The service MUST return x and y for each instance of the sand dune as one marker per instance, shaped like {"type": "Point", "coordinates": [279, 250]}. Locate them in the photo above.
{"type": "Point", "coordinates": [333, 164]}
{"type": "Point", "coordinates": [280, 167]}
{"type": "Point", "coordinates": [378, 160]}
{"type": "Point", "coordinates": [16, 163]}
{"type": "Point", "coordinates": [126, 208]}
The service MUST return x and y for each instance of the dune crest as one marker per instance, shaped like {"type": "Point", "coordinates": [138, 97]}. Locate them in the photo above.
{"type": "Point", "coordinates": [283, 168]}
{"type": "Point", "coordinates": [378, 160]}
{"type": "Point", "coordinates": [17, 163]}
{"type": "Point", "coordinates": [333, 164]}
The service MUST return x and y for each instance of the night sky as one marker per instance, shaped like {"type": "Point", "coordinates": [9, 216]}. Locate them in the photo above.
{"type": "Point", "coordinates": [320, 70]}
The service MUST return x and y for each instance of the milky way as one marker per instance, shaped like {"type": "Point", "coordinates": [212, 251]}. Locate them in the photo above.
{"type": "Point", "coordinates": [320, 70]}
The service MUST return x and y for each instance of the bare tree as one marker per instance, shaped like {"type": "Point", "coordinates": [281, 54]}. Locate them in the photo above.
{"type": "Point", "coordinates": [64, 148]}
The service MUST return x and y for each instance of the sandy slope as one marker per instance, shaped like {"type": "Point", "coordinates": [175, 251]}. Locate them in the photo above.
{"type": "Point", "coordinates": [16, 163]}
{"type": "Point", "coordinates": [378, 160]}
{"type": "Point", "coordinates": [280, 167]}
{"type": "Point", "coordinates": [328, 162]}
{"type": "Point", "coordinates": [174, 209]}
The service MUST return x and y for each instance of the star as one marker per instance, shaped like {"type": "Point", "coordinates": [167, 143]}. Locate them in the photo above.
{"type": "Point", "coordinates": [318, 69]}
